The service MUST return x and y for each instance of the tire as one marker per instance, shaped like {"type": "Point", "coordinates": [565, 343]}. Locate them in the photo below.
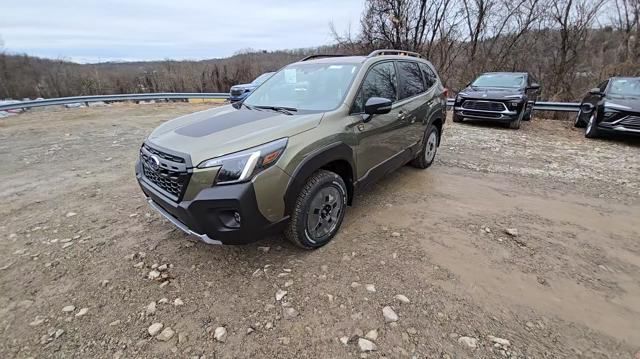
{"type": "Point", "coordinates": [326, 191]}
{"type": "Point", "coordinates": [528, 115]}
{"type": "Point", "coordinates": [457, 118]}
{"type": "Point", "coordinates": [515, 124]}
{"type": "Point", "coordinates": [579, 121]}
{"type": "Point", "coordinates": [429, 148]}
{"type": "Point", "coordinates": [592, 126]}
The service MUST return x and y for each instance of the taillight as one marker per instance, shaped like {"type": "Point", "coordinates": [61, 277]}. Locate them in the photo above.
{"type": "Point", "coordinates": [445, 92]}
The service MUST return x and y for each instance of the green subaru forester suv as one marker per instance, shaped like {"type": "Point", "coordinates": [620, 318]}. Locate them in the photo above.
{"type": "Point", "coordinates": [291, 156]}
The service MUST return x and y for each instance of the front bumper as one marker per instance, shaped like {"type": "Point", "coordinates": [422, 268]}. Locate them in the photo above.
{"type": "Point", "coordinates": [211, 214]}
{"type": "Point", "coordinates": [500, 116]}
{"type": "Point", "coordinates": [627, 123]}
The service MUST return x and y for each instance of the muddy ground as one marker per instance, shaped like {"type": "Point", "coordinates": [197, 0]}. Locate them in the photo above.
{"type": "Point", "coordinates": [78, 242]}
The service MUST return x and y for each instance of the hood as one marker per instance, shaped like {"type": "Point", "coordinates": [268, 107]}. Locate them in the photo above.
{"type": "Point", "coordinates": [493, 93]}
{"type": "Point", "coordinates": [223, 130]}
{"type": "Point", "coordinates": [623, 103]}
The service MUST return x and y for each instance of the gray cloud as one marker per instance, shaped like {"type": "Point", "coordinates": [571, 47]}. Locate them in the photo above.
{"type": "Point", "coordinates": [89, 31]}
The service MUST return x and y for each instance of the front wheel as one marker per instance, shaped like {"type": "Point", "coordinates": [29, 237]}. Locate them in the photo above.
{"type": "Point", "coordinates": [429, 148]}
{"type": "Point", "coordinates": [515, 124]}
{"type": "Point", "coordinates": [579, 122]}
{"type": "Point", "coordinates": [592, 126]}
{"type": "Point", "coordinates": [319, 210]}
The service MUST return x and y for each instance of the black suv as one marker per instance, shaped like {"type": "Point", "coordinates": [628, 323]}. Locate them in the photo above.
{"type": "Point", "coordinates": [613, 106]}
{"type": "Point", "coordinates": [498, 96]}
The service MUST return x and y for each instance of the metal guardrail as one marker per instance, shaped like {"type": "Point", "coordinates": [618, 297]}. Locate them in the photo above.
{"type": "Point", "coordinates": [538, 106]}
{"type": "Point", "coordinates": [111, 98]}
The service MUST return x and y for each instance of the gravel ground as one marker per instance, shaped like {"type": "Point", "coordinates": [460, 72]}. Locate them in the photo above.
{"type": "Point", "coordinates": [519, 244]}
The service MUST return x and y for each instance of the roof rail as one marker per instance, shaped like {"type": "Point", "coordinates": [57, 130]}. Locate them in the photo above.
{"type": "Point", "coordinates": [319, 56]}
{"type": "Point", "coordinates": [394, 52]}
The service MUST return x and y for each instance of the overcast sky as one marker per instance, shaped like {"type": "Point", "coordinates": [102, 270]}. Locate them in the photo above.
{"type": "Point", "coordinates": [106, 30]}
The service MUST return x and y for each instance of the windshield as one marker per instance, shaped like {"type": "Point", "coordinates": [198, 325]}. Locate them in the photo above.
{"type": "Point", "coordinates": [313, 87]}
{"type": "Point", "coordinates": [262, 78]}
{"type": "Point", "coordinates": [500, 80]}
{"type": "Point", "coordinates": [625, 87]}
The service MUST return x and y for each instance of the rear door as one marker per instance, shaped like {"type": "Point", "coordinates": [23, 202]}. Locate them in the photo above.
{"type": "Point", "coordinates": [378, 139]}
{"type": "Point", "coordinates": [413, 101]}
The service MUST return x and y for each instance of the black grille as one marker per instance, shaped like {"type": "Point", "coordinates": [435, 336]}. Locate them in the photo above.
{"type": "Point", "coordinates": [171, 178]}
{"type": "Point", "coordinates": [631, 122]}
{"type": "Point", "coordinates": [484, 105]}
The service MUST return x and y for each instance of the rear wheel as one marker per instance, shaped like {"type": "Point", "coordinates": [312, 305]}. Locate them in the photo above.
{"type": "Point", "coordinates": [319, 210]}
{"type": "Point", "coordinates": [592, 126]}
{"type": "Point", "coordinates": [429, 148]}
{"type": "Point", "coordinates": [528, 115]}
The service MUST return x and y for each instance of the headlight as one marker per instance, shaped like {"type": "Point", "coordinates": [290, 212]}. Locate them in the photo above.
{"type": "Point", "coordinates": [515, 104]}
{"type": "Point", "coordinates": [458, 99]}
{"type": "Point", "coordinates": [242, 166]}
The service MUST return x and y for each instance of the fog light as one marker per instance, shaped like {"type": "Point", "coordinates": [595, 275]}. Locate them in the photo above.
{"type": "Point", "coordinates": [236, 216]}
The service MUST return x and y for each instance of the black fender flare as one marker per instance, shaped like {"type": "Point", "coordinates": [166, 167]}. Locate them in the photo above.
{"type": "Point", "coordinates": [316, 159]}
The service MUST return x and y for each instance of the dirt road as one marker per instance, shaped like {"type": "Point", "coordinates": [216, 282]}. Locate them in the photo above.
{"type": "Point", "coordinates": [78, 244]}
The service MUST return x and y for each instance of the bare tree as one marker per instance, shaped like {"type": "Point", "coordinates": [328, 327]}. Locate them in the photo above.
{"type": "Point", "coordinates": [626, 20]}
{"type": "Point", "coordinates": [572, 19]}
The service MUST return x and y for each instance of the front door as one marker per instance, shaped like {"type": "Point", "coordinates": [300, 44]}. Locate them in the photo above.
{"type": "Point", "coordinates": [379, 139]}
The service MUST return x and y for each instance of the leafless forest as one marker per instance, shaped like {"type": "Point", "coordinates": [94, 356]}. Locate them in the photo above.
{"type": "Point", "coordinates": [569, 45]}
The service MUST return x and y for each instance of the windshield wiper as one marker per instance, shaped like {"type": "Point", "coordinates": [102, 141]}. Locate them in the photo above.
{"type": "Point", "coordinates": [247, 106]}
{"type": "Point", "coordinates": [282, 109]}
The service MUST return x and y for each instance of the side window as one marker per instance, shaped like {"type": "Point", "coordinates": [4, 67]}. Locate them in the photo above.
{"type": "Point", "coordinates": [380, 82]}
{"type": "Point", "coordinates": [429, 76]}
{"type": "Point", "coordinates": [410, 78]}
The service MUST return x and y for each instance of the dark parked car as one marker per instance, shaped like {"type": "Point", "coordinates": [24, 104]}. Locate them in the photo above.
{"type": "Point", "coordinates": [506, 97]}
{"type": "Point", "coordinates": [239, 92]}
{"type": "Point", "coordinates": [613, 106]}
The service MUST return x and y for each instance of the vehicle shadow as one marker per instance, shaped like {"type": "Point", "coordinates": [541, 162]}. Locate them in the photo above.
{"type": "Point", "coordinates": [486, 123]}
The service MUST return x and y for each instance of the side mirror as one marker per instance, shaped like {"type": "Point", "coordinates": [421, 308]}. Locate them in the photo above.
{"type": "Point", "coordinates": [595, 91]}
{"type": "Point", "coordinates": [377, 106]}
{"type": "Point", "coordinates": [534, 86]}
{"type": "Point", "coordinates": [237, 105]}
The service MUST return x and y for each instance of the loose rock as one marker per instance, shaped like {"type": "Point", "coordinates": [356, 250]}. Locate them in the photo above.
{"type": "Point", "coordinates": [395, 234]}
{"type": "Point", "coordinates": [155, 328]}
{"type": "Point", "coordinates": [69, 308]}
{"type": "Point", "coordinates": [82, 312]}
{"type": "Point", "coordinates": [280, 294]}
{"type": "Point", "coordinates": [220, 334]}
{"type": "Point", "coordinates": [372, 335]}
{"type": "Point", "coordinates": [370, 288]}
{"type": "Point", "coordinates": [468, 342]}
{"type": "Point", "coordinates": [389, 315]}
{"type": "Point", "coordinates": [503, 342]}
{"type": "Point", "coordinates": [290, 313]}
{"type": "Point", "coordinates": [151, 308]}
{"type": "Point", "coordinates": [401, 298]}
{"type": "Point", "coordinates": [513, 232]}
{"type": "Point", "coordinates": [166, 334]}
{"type": "Point", "coordinates": [366, 345]}
{"type": "Point", "coordinates": [154, 274]}
{"type": "Point", "coordinates": [178, 302]}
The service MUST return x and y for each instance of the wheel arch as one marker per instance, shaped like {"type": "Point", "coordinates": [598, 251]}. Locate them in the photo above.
{"type": "Point", "coordinates": [336, 157]}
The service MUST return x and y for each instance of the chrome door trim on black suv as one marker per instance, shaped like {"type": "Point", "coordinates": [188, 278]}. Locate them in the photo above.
{"type": "Point", "coordinates": [293, 153]}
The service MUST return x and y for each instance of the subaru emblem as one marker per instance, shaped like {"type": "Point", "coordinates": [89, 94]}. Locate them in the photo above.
{"type": "Point", "coordinates": [154, 162]}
